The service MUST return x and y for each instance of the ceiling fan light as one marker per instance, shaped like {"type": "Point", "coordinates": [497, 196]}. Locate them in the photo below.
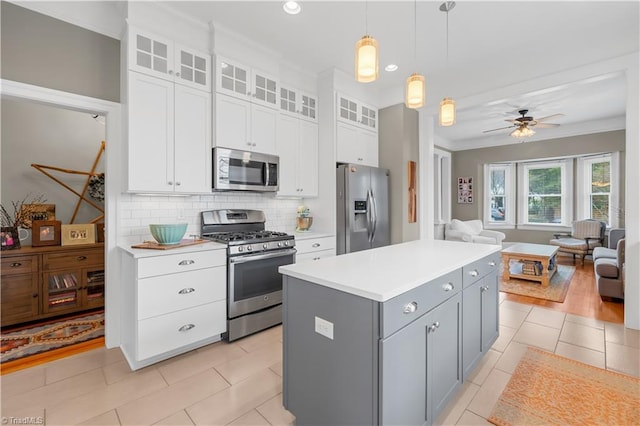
{"type": "Point", "coordinates": [522, 132]}
{"type": "Point", "coordinates": [447, 113]}
{"type": "Point", "coordinates": [366, 59]}
{"type": "Point", "coordinates": [415, 91]}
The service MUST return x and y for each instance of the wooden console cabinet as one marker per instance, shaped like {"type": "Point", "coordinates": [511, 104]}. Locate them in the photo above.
{"type": "Point", "coordinates": [41, 282]}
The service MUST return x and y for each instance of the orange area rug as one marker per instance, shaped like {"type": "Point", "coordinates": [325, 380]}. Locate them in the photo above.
{"type": "Point", "coordinates": [556, 291]}
{"type": "Point", "coordinates": [40, 340]}
{"type": "Point", "coordinates": [552, 390]}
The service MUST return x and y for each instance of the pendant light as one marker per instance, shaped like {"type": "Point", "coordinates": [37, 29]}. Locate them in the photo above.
{"type": "Point", "coordinates": [366, 61]}
{"type": "Point", "coordinates": [447, 112]}
{"type": "Point", "coordinates": [414, 94]}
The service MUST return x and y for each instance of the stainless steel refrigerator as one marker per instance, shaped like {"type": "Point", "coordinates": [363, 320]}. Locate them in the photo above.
{"type": "Point", "coordinates": [362, 208]}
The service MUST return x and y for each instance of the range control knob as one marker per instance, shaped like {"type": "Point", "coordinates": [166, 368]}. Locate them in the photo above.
{"type": "Point", "coordinates": [286, 243]}
{"type": "Point", "coordinates": [249, 248]}
{"type": "Point", "coordinates": [265, 246]}
{"type": "Point", "coordinates": [240, 248]}
{"type": "Point", "coordinates": [279, 244]}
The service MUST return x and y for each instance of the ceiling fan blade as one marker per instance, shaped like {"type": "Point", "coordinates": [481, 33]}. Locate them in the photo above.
{"type": "Point", "coordinates": [501, 128]}
{"type": "Point", "coordinates": [549, 117]}
{"type": "Point", "coordinates": [547, 125]}
{"type": "Point", "coordinates": [514, 121]}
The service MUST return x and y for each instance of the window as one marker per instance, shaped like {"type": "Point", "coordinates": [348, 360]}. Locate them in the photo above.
{"type": "Point", "coordinates": [546, 193]}
{"type": "Point", "coordinates": [499, 195]}
{"type": "Point", "coordinates": [441, 186]}
{"type": "Point", "coordinates": [598, 188]}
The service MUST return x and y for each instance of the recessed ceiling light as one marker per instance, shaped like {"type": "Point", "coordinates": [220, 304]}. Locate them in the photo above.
{"type": "Point", "coordinates": [292, 7]}
{"type": "Point", "coordinates": [391, 67]}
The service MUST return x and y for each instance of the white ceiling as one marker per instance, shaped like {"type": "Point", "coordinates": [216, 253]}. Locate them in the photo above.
{"type": "Point", "coordinates": [491, 45]}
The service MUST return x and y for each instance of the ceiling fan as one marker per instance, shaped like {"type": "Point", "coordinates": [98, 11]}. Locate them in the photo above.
{"type": "Point", "coordinates": [523, 125]}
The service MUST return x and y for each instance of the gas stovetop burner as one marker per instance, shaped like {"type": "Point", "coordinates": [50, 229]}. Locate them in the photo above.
{"type": "Point", "coordinates": [247, 236]}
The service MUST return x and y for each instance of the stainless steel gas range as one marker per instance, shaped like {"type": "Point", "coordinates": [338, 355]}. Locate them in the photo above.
{"type": "Point", "coordinates": [254, 285]}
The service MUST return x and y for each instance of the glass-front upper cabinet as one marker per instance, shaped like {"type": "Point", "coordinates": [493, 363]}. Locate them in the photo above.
{"type": "Point", "coordinates": [241, 81]}
{"type": "Point", "coordinates": [161, 57]}
{"type": "Point", "coordinates": [299, 104]}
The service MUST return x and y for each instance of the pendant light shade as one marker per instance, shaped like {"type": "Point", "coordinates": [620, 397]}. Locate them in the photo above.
{"type": "Point", "coordinates": [415, 91]}
{"type": "Point", "coordinates": [447, 113]}
{"type": "Point", "coordinates": [366, 59]}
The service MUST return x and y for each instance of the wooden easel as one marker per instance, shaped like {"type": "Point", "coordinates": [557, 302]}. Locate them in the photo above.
{"type": "Point", "coordinates": [82, 197]}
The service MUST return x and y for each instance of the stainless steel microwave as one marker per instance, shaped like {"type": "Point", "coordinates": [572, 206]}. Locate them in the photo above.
{"type": "Point", "coordinates": [235, 170]}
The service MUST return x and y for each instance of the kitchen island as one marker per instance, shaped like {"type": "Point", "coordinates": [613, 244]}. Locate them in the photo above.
{"type": "Point", "coordinates": [386, 336]}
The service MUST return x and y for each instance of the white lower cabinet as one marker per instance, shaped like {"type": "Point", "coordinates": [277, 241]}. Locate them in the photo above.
{"type": "Point", "coordinates": [173, 303]}
{"type": "Point", "coordinates": [315, 248]}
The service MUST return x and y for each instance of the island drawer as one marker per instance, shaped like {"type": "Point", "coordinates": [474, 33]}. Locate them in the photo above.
{"type": "Point", "coordinates": [19, 265]}
{"type": "Point", "coordinates": [180, 262]}
{"type": "Point", "coordinates": [478, 269]}
{"type": "Point", "coordinates": [404, 309]}
{"type": "Point", "coordinates": [165, 333]}
{"type": "Point", "coordinates": [168, 293]}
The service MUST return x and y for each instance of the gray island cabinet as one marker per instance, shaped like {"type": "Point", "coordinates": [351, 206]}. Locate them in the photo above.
{"type": "Point", "coordinates": [386, 336]}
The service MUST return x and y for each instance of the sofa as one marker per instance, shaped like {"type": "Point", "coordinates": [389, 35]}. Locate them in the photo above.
{"type": "Point", "coordinates": [608, 266]}
{"type": "Point", "coordinates": [471, 231]}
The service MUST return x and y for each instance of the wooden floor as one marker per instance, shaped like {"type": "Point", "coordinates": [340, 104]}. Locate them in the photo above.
{"type": "Point", "coordinates": [582, 299]}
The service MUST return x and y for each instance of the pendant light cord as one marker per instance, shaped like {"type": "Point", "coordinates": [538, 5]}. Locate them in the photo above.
{"type": "Point", "coordinates": [366, 17]}
{"type": "Point", "coordinates": [415, 36]}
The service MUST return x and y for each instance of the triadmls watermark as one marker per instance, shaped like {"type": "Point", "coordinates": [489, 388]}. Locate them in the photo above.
{"type": "Point", "coordinates": [26, 420]}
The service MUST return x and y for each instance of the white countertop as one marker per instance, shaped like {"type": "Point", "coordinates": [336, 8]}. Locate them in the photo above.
{"type": "Point", "coordinates": [386, 272]}
{"type": "Point", "coordinates": [140, 253]}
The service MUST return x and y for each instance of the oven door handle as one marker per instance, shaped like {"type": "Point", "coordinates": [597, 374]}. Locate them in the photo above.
{"type": "Point", "coordinates": [252, 257]}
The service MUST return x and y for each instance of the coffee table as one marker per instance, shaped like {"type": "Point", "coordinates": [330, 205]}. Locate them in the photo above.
{"type": "Point", "coordinates": [534, 252]}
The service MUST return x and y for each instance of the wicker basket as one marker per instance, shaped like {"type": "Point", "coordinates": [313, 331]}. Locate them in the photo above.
{"type": "Point", "coordinates": [531, 267]}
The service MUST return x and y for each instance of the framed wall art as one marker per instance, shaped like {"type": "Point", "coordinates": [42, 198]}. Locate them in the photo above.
{"type": "Point", "coordinates": [46, 233]}
{"type": "Point", "coordinates": [73, 234]}
{"type": "Point", "coordinates": [465, 190]}
{"type": "Point", "coordinates": [33, 212]}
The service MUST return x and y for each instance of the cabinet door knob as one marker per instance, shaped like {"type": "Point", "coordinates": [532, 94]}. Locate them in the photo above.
{"type": "Point", "coordinates": [410, 308]}
{"type": "Point", "coordinates": [484, 288]}
{"type": "Point", "coordinates": [170, 72]}
{"type": "Point", "coordinates": [447, 286]}
{"type": "Point", "coordinates": [316, 258]}
{"type": "Point", "coordinates": [474, 273]}
{"type": "Point", "coordinates": [492, 263]}
{"type": "Point", "coordinates": [177, 183]}
{"type": "Point", "coordinates": [315, 245]}
{"type": "Point", "coordinates": [16, 265]}
{"type": "Point", "coordinates": [186, 327]}
{"type": "Point", "coordinates": [186, 262]}
{"type": "Point", "coordinates": [434, 326]}
{"type": "Point", "coordinates": [34, 295]}
{"type": "Point", "coordinates": [169, 183]}
{"type": "Point", "coordinates": [187, 290]}
{"type": "Point", "coordinates": [177, 74]}
{"type": "Point", "coordinates": [81, 258]}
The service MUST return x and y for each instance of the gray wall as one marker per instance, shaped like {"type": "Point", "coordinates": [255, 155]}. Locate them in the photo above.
{"type": "Point", "coordinates": [398, 144]}
{"type": "Point", "coordinates": [471, 163]}
{"type": "Point", "coordinates": [43, 51]}
{"type": "Point", "coordinates": [34, 133]}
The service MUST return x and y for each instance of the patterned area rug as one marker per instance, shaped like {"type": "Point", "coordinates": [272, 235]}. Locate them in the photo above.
{"type": "Point", "coordinates": [547, 389]}
{"type": "Point", "coordinates": [556, 291]}
{"type": "Point", "coordinates": [44, 337]}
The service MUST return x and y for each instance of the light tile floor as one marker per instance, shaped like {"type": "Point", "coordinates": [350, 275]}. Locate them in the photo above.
{"type": "Point", "coordinates": [241, 383]}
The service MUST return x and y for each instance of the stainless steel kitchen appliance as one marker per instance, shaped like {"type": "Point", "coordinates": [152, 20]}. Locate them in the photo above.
{"type": "Point", "coordinates": [235, 170]}
{"type": "Point", "coordinates": [254, 285]}
{"type": "Point", "coordinates": [362, 208]}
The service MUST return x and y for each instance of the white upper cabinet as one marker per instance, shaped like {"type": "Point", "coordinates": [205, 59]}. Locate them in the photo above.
{"type": "Point", "coordinates": [298, 151]}
{"type": "Point", "coordinates": [236, 79]}
{"type": "Point", "coordinates": [298, 104]}
{"type": "Point", "coordinates": [169, 136]}
{"type": "Point", "coordinates": [163, 58]}
{"type": "Point", "coordinates": [353, 111]}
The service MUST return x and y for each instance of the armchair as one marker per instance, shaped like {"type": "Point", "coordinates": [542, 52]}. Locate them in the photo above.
{"type": "Point", "coordinates": [610, 271]}
{"type": "Point", "coordinates": [585, 236]}
{"type": "Point", "coordinates": [471, 231]}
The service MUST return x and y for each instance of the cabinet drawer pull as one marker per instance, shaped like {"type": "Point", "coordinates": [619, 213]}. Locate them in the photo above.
{"type": "Point", "coordinates": [316, 245]}
{"type": "Point", "coordinates": [187, 290]}
{"type": "Point", "coordinates": [447, 286]}
{"type": "Point", "coordinates": [16, 265]}
{"type": "Point", "coordinates": [492, 263]}
{"type": "Point", "coordinates": [410, 308]}
{"type": "Point", "coordinates": [186, 327]}
{"type": "Point", "coordinates": [474, 273]}
{"type": "Point", "coordinates": [186, 262]}
{"type": "Point", "coordinates": [81, 258]}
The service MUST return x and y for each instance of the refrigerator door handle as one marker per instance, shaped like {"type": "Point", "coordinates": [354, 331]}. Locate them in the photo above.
{"type": "Point", "coordinates": [374, 216]}
{"type": "Point", "coordinates": [369, 216]}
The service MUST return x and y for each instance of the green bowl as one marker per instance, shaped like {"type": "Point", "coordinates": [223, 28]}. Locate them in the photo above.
{"type": "Point", "coordinates": [168, 234]}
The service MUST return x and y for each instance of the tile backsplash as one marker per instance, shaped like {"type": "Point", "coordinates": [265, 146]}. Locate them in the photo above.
{"type": "Point", "coordinates": [138, 211]}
